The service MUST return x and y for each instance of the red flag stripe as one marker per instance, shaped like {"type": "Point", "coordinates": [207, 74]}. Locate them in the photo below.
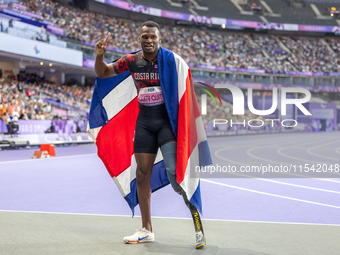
{"type": "Point", "coordinates": [115, 140]}
{"type": "Point", "coordinates": [187, 133]}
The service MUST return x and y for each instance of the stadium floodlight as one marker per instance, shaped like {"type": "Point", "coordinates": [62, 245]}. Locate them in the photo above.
{"type": "Point", "coordinates": [334, 12]}
{"type": "Point", "coordinates": [256, 9]}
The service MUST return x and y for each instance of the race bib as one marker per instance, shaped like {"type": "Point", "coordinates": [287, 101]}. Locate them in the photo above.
{"type": "Point", "coordinates": [151, 96]}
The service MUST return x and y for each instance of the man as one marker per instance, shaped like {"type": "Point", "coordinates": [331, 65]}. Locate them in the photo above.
{"type": "Point", "coordinates": [51, 129]}
{"type": "Point", "coordinates": [153, 129]}
{"type": "Point", "coordinates": [78, 130]}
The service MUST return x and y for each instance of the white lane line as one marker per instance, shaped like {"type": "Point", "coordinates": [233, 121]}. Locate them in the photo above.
{"type": "Point", "coordinates": [216, 153]}
{"type": "Point", "coordinates": [272, 161]}
{"type": "Point", "coordinates": [309, 151]}
{"type": "Point", "coordinates": [299, 186]}
{"type": "Point", "coordinates": [270, 194]}
{"type": "Point", "coordinates": [286, 138]}
{"type": "Point", "coordinates": [304, 160]}
{"type": "Point", "coordinates": [234, 147]}
{"type": "Point", "coordinates": [337, 150]}
{"type": "Point", "coordinates": [234, 144]}
{"type": "Point", "coordinates": [171, 218]}
{"type": "Point", "coordinates": [276, 162]}
{"type": "Point", "coordinates": [51, 158]}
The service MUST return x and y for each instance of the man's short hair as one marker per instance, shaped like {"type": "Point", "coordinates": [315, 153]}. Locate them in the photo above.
{"type": "Point", "coordinates": [151, 24]}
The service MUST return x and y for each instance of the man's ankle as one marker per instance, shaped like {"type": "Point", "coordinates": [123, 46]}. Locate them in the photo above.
{"type": "Point", "coordinates": [148, 229]}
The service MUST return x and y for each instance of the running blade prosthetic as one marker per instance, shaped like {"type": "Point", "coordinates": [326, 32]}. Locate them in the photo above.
{"type": "Point", "coordinates": [200, 238]}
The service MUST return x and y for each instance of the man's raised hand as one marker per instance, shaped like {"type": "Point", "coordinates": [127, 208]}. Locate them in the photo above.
{"type": "Point", "coordinates": [101, 45]}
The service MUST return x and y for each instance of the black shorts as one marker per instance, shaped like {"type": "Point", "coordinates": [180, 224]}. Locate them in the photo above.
{"type": "Point", "coordinates": [152, 129]}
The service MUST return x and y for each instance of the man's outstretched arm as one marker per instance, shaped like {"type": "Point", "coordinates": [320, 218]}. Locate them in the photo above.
{"type": "Point", "coordinates": [101, 68]}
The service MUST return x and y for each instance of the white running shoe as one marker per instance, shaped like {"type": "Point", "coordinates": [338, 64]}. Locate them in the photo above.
{"type": "Point", "coordinates": [142, 235]}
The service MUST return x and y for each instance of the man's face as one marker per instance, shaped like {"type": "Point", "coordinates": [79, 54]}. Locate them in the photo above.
{"type": "Point", "coordinates": [149, 39]}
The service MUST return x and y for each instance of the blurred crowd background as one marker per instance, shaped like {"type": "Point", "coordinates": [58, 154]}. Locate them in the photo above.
{"type": "Point", "coordinates": [30, 96]}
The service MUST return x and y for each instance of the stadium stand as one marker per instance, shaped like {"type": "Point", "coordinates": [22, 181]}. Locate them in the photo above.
{"type": "Point", "coordinates": [31, 98]}
{"type": "Point", "coordinates": [291, 14]}
{"type": "Point", "coordinates": [25, 104]}
{"type": "Point", "coordinates": [224, 9]}
{"type": "Point", "coordinates": [277, 54]}
{"type": "Point", "coordinates": [196, 46]}
{"type": "Point", "coordinates": [164, 5]}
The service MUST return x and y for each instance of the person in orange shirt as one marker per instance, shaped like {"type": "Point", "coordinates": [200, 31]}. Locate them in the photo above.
{"type": "Point", "coordinates": [2, 110]}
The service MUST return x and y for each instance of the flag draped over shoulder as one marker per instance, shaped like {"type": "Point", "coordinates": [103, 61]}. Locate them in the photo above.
{"type": "Point", "coordinates": [113, 114]}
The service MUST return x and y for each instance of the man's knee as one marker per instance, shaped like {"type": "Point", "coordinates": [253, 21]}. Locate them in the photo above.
{"type": "Point", "coordinates": [141, 176]}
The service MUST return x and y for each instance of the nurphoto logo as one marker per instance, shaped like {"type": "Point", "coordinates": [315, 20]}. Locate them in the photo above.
{"type": "Point", "coordinates": [238, 104]}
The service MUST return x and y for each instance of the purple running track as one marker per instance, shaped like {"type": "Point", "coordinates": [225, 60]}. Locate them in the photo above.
{"type": "Point", "coordinates": [76, 181]}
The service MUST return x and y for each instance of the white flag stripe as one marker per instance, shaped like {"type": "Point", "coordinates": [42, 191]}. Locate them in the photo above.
{"type": "Point", "coordinates": [124, 179]}
{"type": "Point", "coordinates": [93, 133]}
{"type": "Point", "coordinates": [189, 184]}
{"type": "Point", "coordinates": [182, 73]}
{"type": "Point", "coordinates": [119, 97]}
{"type": "Point", "coordinates": [201, 135]}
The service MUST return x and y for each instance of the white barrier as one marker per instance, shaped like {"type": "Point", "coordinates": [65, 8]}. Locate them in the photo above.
{"type": "Point", "coordinates": [40, 50]}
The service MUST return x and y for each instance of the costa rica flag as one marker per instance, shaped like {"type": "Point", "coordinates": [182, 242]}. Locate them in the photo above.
{"type": "Point", "coordinates": [112, 118]}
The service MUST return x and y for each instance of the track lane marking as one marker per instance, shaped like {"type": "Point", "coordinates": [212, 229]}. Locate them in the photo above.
{"type": "Point", "coordinates": [277, 162]}
{"type": "Point", "coordinates": [279, 182]}
{"type": "Point", "coordinates": [163, 217]}
{"type": "Point", "coordinates": [304, 160]}
{"type": "Point", "coordinates": [337, 150]}
{"type": "Point", "coordinates": [270, 194]}
{"type": "Point", "coordinates": [272, 161]}
{"type": "Point", "coordinates": [309, 151]}
{"type": "Point", "coordinates": [50, 158]}
{"type": "Point", "coordinates": [216, 153]}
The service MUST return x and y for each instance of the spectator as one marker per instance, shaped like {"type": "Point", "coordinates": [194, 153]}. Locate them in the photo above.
{"type": "Point", "coordinates": [20, 88]}
{"type": "Point", "coordinates": [51, 129]}
{"type": "Point", "coordinates": [15, 114]}
{"type": "Point", "coordinates": [39, 37]}
{"type": "Point", "coordinates": [47, 37]}
{"type": "Point", "coordinates": [23, 115]}
{"type": "Point", "coordinates": [78, 130]}
{"type": "Point", "coordinates": [197, 47]}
